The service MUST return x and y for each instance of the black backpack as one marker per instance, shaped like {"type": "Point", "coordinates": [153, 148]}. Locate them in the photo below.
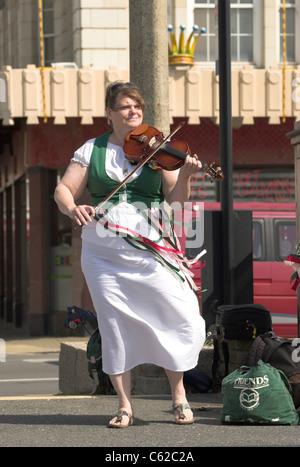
{"type": "Point", "coordinates": [236, 328]}
{"type": "Point", "coordinates": [94, 358]}
{"type": "Point", "coordinates": [282, 355]}
{"type": "Point", "coordinates": [243, 322]}
{"type": "Point", "coordinates": [80, 319]}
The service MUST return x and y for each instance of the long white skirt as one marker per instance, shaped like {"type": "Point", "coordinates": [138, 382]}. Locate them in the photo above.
{"type": "Point", "coordinates": [145, 313]}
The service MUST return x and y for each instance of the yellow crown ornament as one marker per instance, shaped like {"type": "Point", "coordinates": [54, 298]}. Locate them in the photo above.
{"type": "Point", "coordinates": [183, 54]}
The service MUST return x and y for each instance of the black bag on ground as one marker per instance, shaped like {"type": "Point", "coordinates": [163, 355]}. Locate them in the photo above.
{"type": "Point", "coordinates": [236, 327]}
{"type": "Point", "coordinates": [197, 380]}
{"type": "Point", "coordinates": [282, 355]}
{"type": "Point", "coordinates": [244, 321]}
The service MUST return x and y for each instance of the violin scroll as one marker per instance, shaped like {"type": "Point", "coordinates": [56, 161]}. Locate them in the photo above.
{"type": "Point", "coordinates": [214, 171]}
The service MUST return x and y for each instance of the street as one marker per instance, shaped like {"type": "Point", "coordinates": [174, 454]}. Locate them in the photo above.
{"type": "Point", "coordinates": [34, 414]}
{"type": "Point", "coordinates": [29, 374]}
{"type": "Point", "coordinates": [81, 421]}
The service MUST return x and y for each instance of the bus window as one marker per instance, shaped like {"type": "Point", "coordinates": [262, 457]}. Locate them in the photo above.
{"type": "Point", "coordinates": [257, 240]}
{"type": "Point", "coordinates": [285, 239]}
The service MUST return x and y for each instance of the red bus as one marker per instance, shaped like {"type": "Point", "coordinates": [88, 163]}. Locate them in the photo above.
{"type": "Point", "coordinates": [274, 238]}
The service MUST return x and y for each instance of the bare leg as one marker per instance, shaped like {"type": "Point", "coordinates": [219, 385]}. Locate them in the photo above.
{"type": "Point", "coordinates": [122, 386]}
{"type": "Point", "coordinates": [178, 394]}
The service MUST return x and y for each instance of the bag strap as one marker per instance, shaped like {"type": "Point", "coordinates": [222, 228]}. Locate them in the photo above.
{"type": "Point", "coordinates": [226, 356]}
{"type": "Point", "coordinates": [216, 359]}
{"type": "Point", "coordinates": [94, 370]}
{"type": "Point", "coordinates": [259, 349]}
{"type": "Point", "coordinates": [256, 352]}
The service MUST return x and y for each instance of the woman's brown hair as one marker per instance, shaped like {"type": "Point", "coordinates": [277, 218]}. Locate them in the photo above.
{"type": "Point", "coordinates": [120, 89]}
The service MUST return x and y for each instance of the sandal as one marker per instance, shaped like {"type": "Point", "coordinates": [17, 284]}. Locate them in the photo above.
{"type": "Point", "coordinates": [182, 417]}
{"type": "Point", "coordinates": [119, 416]}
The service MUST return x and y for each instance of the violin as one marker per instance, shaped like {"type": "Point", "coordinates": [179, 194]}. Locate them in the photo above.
{"type": "Point", "coordinates": [147, 143]}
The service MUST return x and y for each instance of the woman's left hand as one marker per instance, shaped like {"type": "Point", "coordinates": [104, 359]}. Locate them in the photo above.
{"type": "Point", "coordinates": [176, 184]}
{"type": "Point", "coordinates": [190, 166]}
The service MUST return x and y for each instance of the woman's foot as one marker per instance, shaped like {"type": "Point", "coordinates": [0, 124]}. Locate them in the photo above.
{"type": "Point", "coordinates": [123, 419]}
{"type": "Point", "coordinates": [183, 414]}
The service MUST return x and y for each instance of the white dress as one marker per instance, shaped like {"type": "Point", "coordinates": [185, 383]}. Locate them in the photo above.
{"type": "Point", "coordinates": [146, 314]}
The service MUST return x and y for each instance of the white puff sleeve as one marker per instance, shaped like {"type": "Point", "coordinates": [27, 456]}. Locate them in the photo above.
{"type": "Point", "coordinates": [83, 154]}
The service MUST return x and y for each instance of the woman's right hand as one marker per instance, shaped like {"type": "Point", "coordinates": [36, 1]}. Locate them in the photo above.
{"type": "Point", "coordinates": [71, 188]}
{"type": "Point", "coordinates": [82, 214]}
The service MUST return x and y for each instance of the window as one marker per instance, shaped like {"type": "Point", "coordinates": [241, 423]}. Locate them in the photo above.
{"type": "Point", "coordinates": [287, 40]}
{"type": "Point", "coordinates": [204, 16]}
{"type": "Point", "coordinates": [285, 239]}
{"type": "Point", "coordinates": [257, 239]}
{"type": "Point", "coordinates": [241, 30]}
{"type": "Point", "coordinates": [48, 23]}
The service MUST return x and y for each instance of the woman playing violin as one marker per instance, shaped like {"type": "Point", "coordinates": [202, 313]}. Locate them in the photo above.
{"type": "Point", "coordinates": [146, 309]}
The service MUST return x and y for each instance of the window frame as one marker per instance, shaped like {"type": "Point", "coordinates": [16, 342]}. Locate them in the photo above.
{"type": "Point", "coordinates": [245, 6]}
{"type": "Point", "coordinates": [277, 224]}
{"type": "Point", "coordinates": [256, 27]}
{"type": "Point", "coordinates": [47, 36]}
{"type": "Point", "coordinates": [295, 6]}
{"type": "Point", "coordinates": [261, 225]}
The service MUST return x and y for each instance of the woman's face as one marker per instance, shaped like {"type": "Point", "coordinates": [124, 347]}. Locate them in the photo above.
{"type": "Point", "coordinates": [126, 116]}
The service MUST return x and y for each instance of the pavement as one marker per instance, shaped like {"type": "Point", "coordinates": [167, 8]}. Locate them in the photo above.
{"type": "Point", "coordinates": [56, 420]}
{"type": "Point", "coordinates": [32, 345]}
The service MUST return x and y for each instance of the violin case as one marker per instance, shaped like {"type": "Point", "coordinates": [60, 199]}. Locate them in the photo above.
{"type": "Point", "coordinates": [242, 322]}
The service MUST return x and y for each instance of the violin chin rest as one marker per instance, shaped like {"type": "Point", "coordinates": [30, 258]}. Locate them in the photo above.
{"type": "Point", "coordinates": [139, 130]}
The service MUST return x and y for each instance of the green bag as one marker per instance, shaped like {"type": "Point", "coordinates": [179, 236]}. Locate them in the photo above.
{"type": "Point", "coordinates": [257, 395]}
{"type": "Point", "coordinates": [94, 358]}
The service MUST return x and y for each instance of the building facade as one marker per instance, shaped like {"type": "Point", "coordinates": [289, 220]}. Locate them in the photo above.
{"type": "Point", "coordinates": [56, 59]}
